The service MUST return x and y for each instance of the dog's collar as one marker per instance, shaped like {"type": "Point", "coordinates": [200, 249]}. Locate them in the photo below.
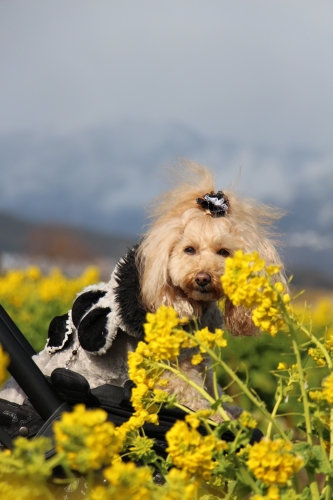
{"type": "Point", "coordinates": [214, 204]}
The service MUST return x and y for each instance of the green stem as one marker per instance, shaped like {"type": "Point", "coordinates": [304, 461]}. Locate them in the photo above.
{"type": "Point", "coordinates": [216, 391]}
{"type": "Point", "coordinates": [241, 385]}
{"type": "Point", "coordinates": [248, 393]}
{"type": "Point", "coordinates": [274, 412]}
{"type": "Point", "coordinates": [243, 473]}
{"type": "Point", "coordinates": [200, 389]}
{"type": "Point", "coordinates": [311, 473]}
{"type": "Point", "coordinates": [303, 392]}
{"type": "Point", "coordinates": [329, 489]}
{"type": "Point", "coordinates": [318, 344]}
{"type": "Point", "coordinates": [315, 495]}
{"type": "Point", "coordinates": [324, 453]}
{"type": "Point", "coordinates": [331, 434]}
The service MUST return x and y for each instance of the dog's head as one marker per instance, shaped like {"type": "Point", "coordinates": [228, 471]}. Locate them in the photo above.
{"type": "Point", "coordinates": [182, 256]}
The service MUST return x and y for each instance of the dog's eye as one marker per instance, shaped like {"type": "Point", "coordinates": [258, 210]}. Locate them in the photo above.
{"type": "Point", "coordinates": [189, 250]}
{"type": "Point", "coordinates": [224, 252]}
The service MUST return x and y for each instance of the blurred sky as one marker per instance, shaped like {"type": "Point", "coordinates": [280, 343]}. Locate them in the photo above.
{"type": "Point", "coordinates": [259, 71]}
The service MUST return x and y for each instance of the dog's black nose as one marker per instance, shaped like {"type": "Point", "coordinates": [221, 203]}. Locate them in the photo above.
{"type": "Point", "coordinates": [202, 279]}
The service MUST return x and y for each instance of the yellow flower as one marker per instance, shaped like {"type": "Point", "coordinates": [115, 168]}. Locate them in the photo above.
{"type": "Point", "coordinates": [208, 340]}
{"type": "Point", "coordinates": [86, 438]}
{"type": "Point", "coordinates": [178, 487]}
{"type": "Point", "coordinates": [163, 338]}
{"type": "Point", "coordinates": [16, 488]}
{"type": "Point", "coordinates": [194, 419]}
{"type": "Point", "coordinates": [196, 359]}
{"type": "Point", "coordinates": [273, 462]}
{"type": "Point", "coordinates": [140, 447]}
{"type": "Point", "coordinates": [247, 283]}
{"type": "Point", "coordinates": [190, 451]}
{"type": "Point", "coordinates": [326, 394]}
{"type": "Point", "coordinates": [128, 481]}
{"type": "Point", "coordinates": [272, 494]}
{"type": "Point", "coordinates": [247, 420]}
{"type": "Point", "coordinates": [27, 460]}
{"type": "Point", "coordinates": [282, 366]}
{"type": "Point", "coordinates": [328, 389]}
{"type": "Point", "coordinates": [317, 354]}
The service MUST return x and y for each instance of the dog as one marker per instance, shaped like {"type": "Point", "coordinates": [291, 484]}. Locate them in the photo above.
{"type": "Point", "coordinates": [178, 263]}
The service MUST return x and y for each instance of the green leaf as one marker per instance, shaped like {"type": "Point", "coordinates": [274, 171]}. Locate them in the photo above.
{"type": "Point", "coordinates": [306, 494]}
{"type": "Point", "coordinates": [219, 402]}
{"type": "Point", "coordinates": [304, 449]}
{"type": "Point", "coordinates": [322, 463]}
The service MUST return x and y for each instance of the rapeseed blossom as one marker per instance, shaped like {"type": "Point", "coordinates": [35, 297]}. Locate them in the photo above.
{"type": "Point", "coordinates": [209, 340]}
{"type": "Point", "coordinates": [273, 493]}
{"type": "Point", "coordinates": [247, 282]}
{"type": "Point", "coordinates": [327, 393]}
{"type": "Point", "coordinates": [192, 452]}
{"type": "Point", "coordinates": [24, 470]}
{"type": "Point", "coordinates": [317, 353]}
{"type": "Point", "coordinates": [247, 420]}
{"type": "Point", "coordinates": [125, 481]}
{"type": "Point", "coordinates": [33, 299]}
{"type": "Point", "coordinates": [26, 459]}
{"type": "Point", "coordinates": [19, 286]}
{"type": "Point", "coordinates": [163, 341]}
{"type": "Point", "coordinates": [273, 462]}
{"type": "Point", "coordinates": [194, 419]}
{"type": "Point", "coordinates": [12, 488]}
{"type": "Point", "coordinates": [86, 438]}
{"type": "Point", "coordinates": [162, 337]}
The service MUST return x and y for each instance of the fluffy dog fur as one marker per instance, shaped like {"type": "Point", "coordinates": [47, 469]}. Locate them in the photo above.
{"type": "Point", "coordinates": [168, 273]}
{"type": "Point", "coordinates": [179, 262]}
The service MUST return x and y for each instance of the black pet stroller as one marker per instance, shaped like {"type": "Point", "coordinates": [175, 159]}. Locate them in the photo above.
{"type": "Point", "coordinates": [49, 397]}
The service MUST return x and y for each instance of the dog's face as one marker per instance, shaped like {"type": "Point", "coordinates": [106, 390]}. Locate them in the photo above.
{"type": "Point", "coordinates": [197, 260]}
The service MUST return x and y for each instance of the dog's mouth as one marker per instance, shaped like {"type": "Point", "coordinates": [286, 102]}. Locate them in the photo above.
{"type": "Point", "coordinates": [207, 292]}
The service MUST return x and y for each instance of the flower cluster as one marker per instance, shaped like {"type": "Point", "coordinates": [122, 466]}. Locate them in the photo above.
{"type": "Point", "coordinates": [317, 353]}
{"type": "Point", "coordinates": [24, 470]}
{"type": "Point", "coordinates": [273, 493]}
{"type": "Point", "coordinates": [273, 462]}
{"type": "Point", "coordinates": [207, 340]}
{"type": "Point", "coordinates": [17, 285]}
{"type": "Point", "coordinates": [163, 339]}
{"type": "Point", "coordinates": [144, 374]}
{"type": "Point", "coordinates": [4, 362]}
{"type": "Point", "coordinates": [192, 452]}
{"type": "Point", "coordinates": [87, 439]}
{"type": "Point", "coordinates": [248, 282]}
{"type": "Point", "coordinates": [125, 481]}
{"type": "Point", "coordinates": [198, 417]}
{"type": "Point", "coordinates": [23, 489]}
{"type": "Point", "coordinates": [247, 420]}
{"type": "Point", "coordinates": [327, 393]}
{"type": "Point", "coordinates": [33, 299]}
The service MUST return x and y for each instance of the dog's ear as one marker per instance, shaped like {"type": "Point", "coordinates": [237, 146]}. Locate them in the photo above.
{"type": "Point", "coordinates": [152, 260]}
{"type": "Point", "coordinates": [238, 320]}
{"type": "Point", "coordinates": [268, 252]}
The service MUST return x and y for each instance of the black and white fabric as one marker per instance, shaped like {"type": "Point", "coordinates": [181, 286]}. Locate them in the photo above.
{"type": "Point", "coordinates": [100, 312]}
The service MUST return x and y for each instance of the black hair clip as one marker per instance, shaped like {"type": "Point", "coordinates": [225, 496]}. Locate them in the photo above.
{"type": "Point", "coordinates": [215, 204]}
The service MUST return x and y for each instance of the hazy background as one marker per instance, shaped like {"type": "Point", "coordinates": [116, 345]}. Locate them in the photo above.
{"type": "Point", "coordinates": [97, 96]}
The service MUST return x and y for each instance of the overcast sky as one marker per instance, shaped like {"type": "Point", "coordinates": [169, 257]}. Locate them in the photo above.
{"type": "Point", "coordinates": [257, 71]}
